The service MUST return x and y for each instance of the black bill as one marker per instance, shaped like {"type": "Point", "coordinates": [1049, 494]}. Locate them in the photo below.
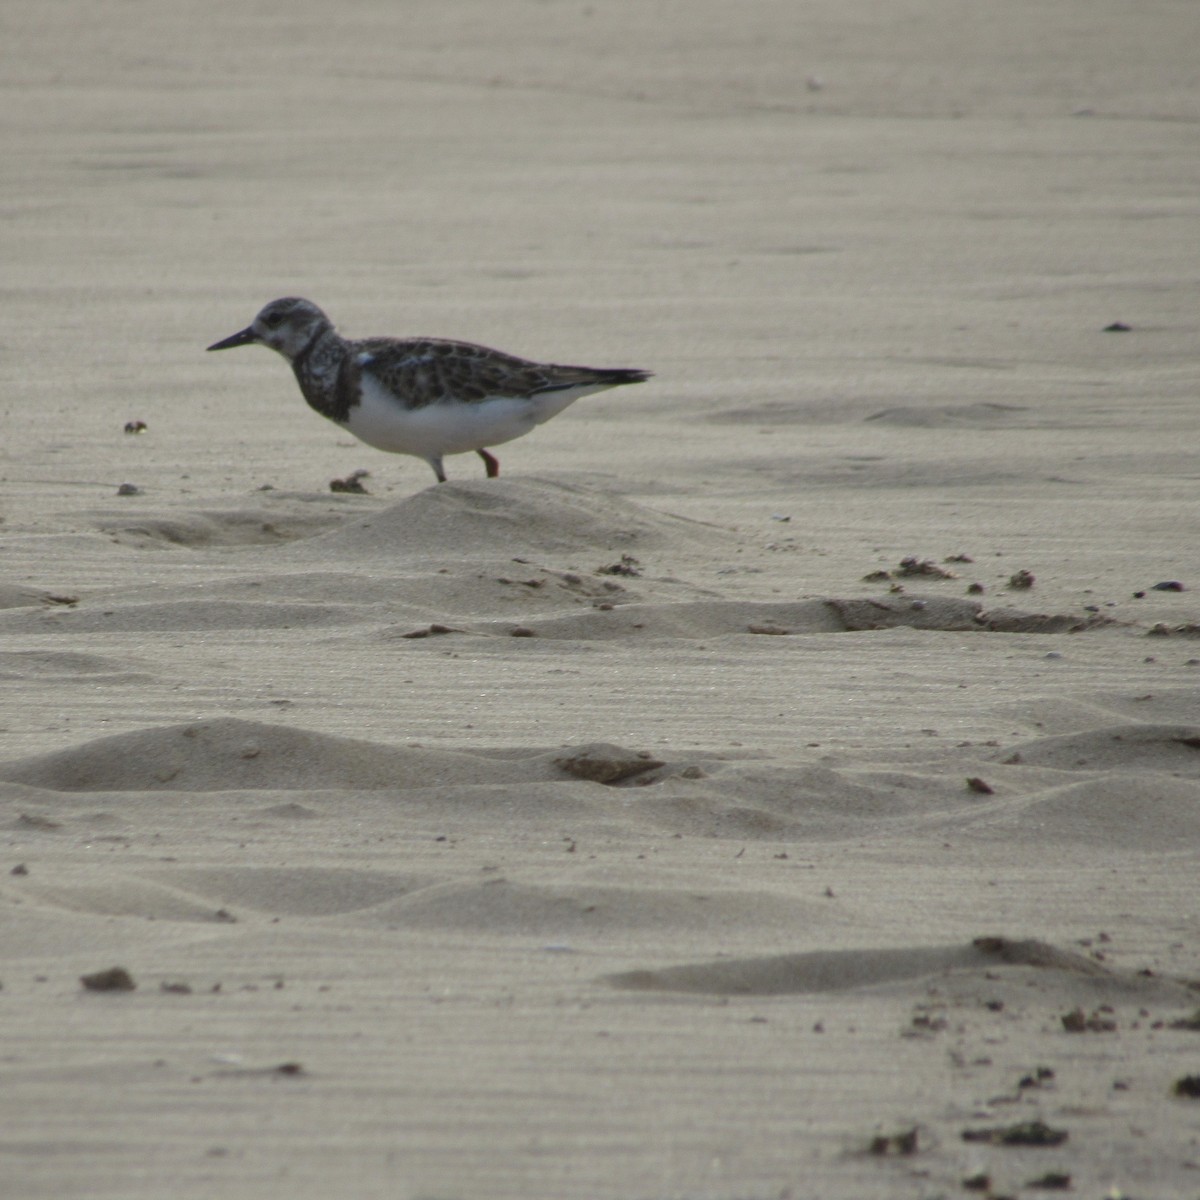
{"type": "Point", "coordinates": [242, 338]}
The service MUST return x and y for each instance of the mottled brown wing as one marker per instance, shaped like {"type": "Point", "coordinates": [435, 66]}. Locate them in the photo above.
{"type": "Point", "coordinates": [426, 370]}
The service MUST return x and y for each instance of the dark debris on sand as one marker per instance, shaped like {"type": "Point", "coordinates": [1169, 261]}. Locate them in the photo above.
{"type": "Point", "coordinates": [352, 484]}
{"type": "Point", "coordinates": [1025, 1133]}
{"type": "Point", "coordinates": [114, 979]}
{"type": "Point", "coordinates": [903, 1143]}
{"type": "Point", "coordinates": [607, 764]}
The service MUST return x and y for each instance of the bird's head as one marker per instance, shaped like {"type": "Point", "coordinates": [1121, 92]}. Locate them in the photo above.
{"type": "Point", "coordinates": [287, 325]}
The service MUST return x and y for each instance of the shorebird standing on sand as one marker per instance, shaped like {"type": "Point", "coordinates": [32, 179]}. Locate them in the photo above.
{"type": "Point", "coordinates": [428, 397]}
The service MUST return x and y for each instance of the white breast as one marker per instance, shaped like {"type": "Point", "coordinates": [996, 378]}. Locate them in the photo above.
{"type": "Point", "coordinates": [448, 427]}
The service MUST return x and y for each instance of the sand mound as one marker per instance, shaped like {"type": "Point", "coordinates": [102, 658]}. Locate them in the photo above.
{"type": "Point", "coordinates": [842, 970]}
{"type": "Point", "coordinates": [68, 665]}
{"type": "Point", "coordinates": [426, 594]}
{"type": "Point", "coordinates": [785, 801]}
{"type": "Point", "coordinates": [14, 596]}
{"type": "Point", "coordinates": [508, 518]}
{"type": "Point", "coordinates": [1131, 785]}
{"type": "Point", "coordinates": [235, 755]}
{"type": "Point", "coordinates": [179, 616]}
{"type": "Point", "coordinates": [698, 619]}
{"type": "Point", "coordinates": [718, 618]}
{"type": "Point", "coordinates": [230, 754]}
{"type": "Point", "coordinates": [204, 530]}
{"type": "Point", "coordinates": [984, 415]}
{"type": "Point", "coordinates": [122, 897]}
{"type": "Point", "coordinates": [294, 891]}
{"type": "Point", "coordinates": [1171, 748]}
{"type": "Point", "coordinates": [1146, 809]}
{"type": "Point", "coordinates": [507, 907]}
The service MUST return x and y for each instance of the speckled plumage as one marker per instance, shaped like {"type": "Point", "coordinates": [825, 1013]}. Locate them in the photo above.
{"type": "Point", "coordinates": [422, 396]}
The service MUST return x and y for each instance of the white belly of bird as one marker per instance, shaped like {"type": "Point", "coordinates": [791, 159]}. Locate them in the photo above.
{"type": "Point", "coordinates": [449, 427]}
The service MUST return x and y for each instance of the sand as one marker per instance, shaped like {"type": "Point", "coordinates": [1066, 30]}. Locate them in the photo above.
{"type": "Point", "coordinates": [703, 809]}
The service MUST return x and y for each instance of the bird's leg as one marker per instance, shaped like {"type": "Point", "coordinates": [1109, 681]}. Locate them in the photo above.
{"type": "Point", "coordinates": [435, 461]}
{"type": "Point", "coordinates": [491, 462]}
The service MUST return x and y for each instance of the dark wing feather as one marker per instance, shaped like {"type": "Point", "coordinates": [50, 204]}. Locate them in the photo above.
{"type": "Point", "coordinates": [427, 370]}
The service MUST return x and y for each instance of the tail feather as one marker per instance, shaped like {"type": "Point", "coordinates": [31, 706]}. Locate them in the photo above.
{"type": "Point", "coordinates": [594, 377]}
{"type": "Point", "coordinates": [619, 375]}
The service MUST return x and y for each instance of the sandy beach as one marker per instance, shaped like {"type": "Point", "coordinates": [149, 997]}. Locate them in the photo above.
{"type": "Point", "coordinates": [782, 782]}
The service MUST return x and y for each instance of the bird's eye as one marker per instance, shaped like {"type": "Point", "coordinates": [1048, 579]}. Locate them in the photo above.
{"type": "Point", "coordinates": [273, 320]}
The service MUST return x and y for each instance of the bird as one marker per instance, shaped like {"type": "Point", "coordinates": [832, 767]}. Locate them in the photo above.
{"type": "Point", "coordinates": [423, 396]}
